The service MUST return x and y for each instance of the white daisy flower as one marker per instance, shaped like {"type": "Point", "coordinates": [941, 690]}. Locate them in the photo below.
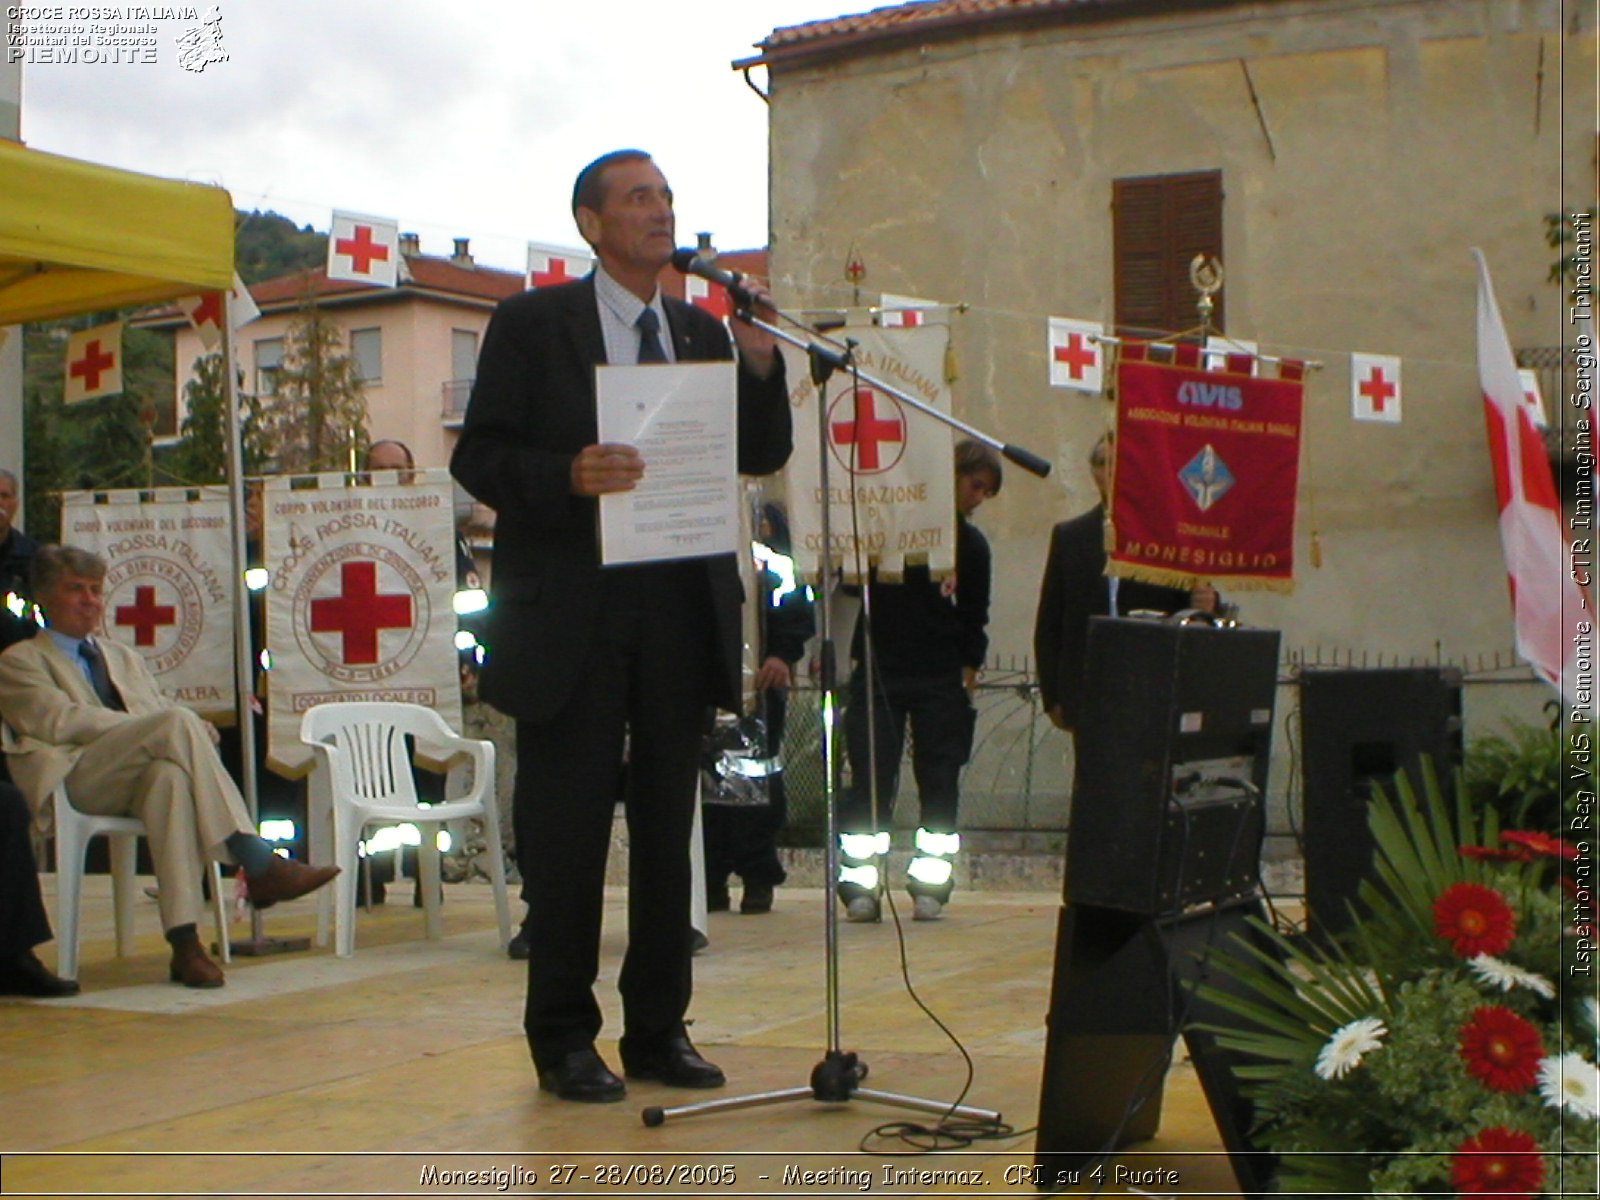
{"type": "Point", "coordinates": [1347, 1046]}
{"type": "Point", "coordinates": [1570, 1082]}
{"type": "Point", "coordinates": [1494, 972]}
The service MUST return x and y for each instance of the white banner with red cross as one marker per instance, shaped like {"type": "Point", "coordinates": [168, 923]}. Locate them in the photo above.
{"type": "Point", "coordinates": [891, 478]}
{"type": "Point", "coordinates": [360, 579]}
{"type": "Point", "coordinates": [364, 249]}
{"type": "Point", "coordinates": [549, 265]}
{"type": "Point", "coordinates": [169, 584]}
{"type": "Point", "coordinates": [94, 364]}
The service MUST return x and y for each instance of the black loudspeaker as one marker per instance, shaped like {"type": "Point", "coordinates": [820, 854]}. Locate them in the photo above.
{"type": "Point", "coordinates": [1168, 805]}
{"type": "Point", "coordinates": [1121, 993]}
{"type": "Point", "coordinates": [1361, 727]}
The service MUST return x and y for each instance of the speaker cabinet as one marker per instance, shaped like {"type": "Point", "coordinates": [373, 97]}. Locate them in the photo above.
{"type": "Point", "coordinates": [1360, 728]}
{"type": "Point", "coordinates": [1168, 804]}
{"type": "Point", "coordinates": [1123, 989]}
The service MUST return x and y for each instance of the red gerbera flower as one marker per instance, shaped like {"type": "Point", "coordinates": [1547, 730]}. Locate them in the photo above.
{"type": "Point", "coordinates": [1540, 843]}
{"type": "Point", "coordinates": [1500, 1162]}
{"type": "Point", "coordinates": [1501, 1049]}
{"type": "Point", "coordinates": [1495, 854]}
{"type": "Point", "coordinates": [1474, 919]}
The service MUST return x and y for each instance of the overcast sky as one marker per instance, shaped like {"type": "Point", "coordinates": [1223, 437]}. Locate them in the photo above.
{"type": "Point", "coordinates": [466, 119]}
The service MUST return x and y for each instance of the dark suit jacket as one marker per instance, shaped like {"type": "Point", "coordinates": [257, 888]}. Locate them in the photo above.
{"type": "Point", "coordinates": [1074, 589]}
{"type": "Point", "coordinates": [532, 410]}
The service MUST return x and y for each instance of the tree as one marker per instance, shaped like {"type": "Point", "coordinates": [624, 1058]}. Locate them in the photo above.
{"type": "Point", "coordinates": [202, 454]}
{"type": "Point", "coordinates": [316, 418]}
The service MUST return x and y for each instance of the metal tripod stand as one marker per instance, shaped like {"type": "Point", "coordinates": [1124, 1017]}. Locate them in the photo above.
{"type": "Point", "coordinates": [837, 1078]}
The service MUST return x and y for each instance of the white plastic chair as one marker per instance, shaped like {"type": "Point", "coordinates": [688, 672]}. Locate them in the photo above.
{"type": "Point", "coordinates": [74, 828]}
{"type": "Point", "coordinates": [362, 776]}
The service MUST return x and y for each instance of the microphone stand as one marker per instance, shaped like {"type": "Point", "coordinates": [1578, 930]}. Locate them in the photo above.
{"type": "Point", "coordinates": [836, 1079]}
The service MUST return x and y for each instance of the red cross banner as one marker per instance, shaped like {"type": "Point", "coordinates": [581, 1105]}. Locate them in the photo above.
{"type": "Point", "coordinates": [169, 584]}
{"type": "Point", "coordinates": [550, 265]}
{"type": "Point", "coordinates": [205, 312]}
{"type": "Point", "coordinates": [891, 460]}
{"type": "Point", "coordinates": [1076, 354]}
{"type": "Point", "coordinates": [1375, 387]}
{"type": "Point", "coordinates": [1204, 474]}
{"type": "Point", "coordinates": [364, 249]}
{"type": "Point", "coordinates": [715, 300]}
{"type": "Point", "coordinates": [360, 581]}
{"type": "Point", "coordinates": [1548, 607]}
{"type": "Point", "coordinates": [94, 364]}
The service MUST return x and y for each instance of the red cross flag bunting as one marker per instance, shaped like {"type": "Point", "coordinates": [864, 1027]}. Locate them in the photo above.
{"type": "Point", "coordinates": [205, 312]}
{"type": "Point", "coordinates": [904, 312]}
{"type": "Point", "coordinates": [1375, 387]}
{"type": "Point", "coordinates": [890, 470]}
{"type": "Point", "coordinates": [169, 584]}
{"type": "Point", "coordinates": [1205, 473]}
{"type": "Point", "coordinates": [1548, 607]}
{"type": "Point", "coordinates": [1076, 355]}
{"type": "Point", "coordinates": [364, 249]}
{"type": "Point", "coordinates": [94, 364]}
{"type": "Point", "coordinates": [361, 576]}
{"type": "Point", "coordinates": [715, 300]}
{"type": "Point", "coordinates": [550, 265]}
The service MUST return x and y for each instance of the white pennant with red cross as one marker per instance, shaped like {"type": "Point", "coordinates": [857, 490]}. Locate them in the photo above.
{"type": "Point", "coordinates": [892, 461]}
{"type": "Point", "coordinates": [1548, 607]}
{"type": "Point", "coordinates": [205, 312]}
{"type": "Point", "coordinates": [714, 298]}
{"type": "Point", "coordinates": [94, 364]}
{"type": "Point", "coordinates": [904, 312]}
{"type": "Point", "coordinates": [1076, 354]}
{"type": "Point", "coordinates": [550, 265]}
{"type": "Point", "coordinates": [364, 249]}
{"type": "Point", "coordinates": [1375, 387]}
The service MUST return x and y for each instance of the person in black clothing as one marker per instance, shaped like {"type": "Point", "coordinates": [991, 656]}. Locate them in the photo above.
{"type": "Point", "coordinates": [23, 923]}
{"type": "Point", "coordinates": [1076, 587]}
{"type": "Point", "coordinates": [929, 638]}
{"type": "Point", "coordinates": [742, 839]}
{"type": "Point", "coordinates": [16, 547]}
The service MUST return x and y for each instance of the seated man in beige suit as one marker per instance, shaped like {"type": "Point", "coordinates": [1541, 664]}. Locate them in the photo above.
{"type": "Point", "coordinates": [89, 712]}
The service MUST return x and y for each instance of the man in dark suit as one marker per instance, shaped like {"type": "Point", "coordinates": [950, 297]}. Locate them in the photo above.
{"type": "Point", "coordinates": [590, 660]}
{"type": "Point", "coordinates": [1076, 588]}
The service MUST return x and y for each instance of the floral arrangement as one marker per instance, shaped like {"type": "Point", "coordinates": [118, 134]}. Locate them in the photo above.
{"type": "Point", "coordinates": [1439, 1047]}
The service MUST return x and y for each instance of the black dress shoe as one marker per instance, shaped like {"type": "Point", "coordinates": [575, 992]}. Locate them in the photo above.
{"type": "Point", "coordinates": [674, 1062]}
{"type": "Point", "coordinates": [757, 898]}
{"type": "Point", "coordinates": [520, 947]}
{"type": "Point", "coordinates": [582, 1075]}
{"type": "Point", "coordinates": [717, 898]}
{"type": "Point", "coordinates": [25, 975]}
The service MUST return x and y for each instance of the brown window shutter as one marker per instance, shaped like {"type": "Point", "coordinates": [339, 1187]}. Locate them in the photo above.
{"type": "Point", "coordinates": [1159, 223]}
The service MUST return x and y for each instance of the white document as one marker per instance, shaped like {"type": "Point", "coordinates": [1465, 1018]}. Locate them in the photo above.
{"type": "Point", "coordinates": [682, 418]}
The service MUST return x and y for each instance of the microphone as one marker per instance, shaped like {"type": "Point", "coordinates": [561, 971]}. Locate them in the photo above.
{"type": "Point", "coordinates": [690, 263]}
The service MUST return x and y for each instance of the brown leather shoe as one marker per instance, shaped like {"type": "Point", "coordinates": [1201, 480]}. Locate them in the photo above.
{"type": "Point", "coordinates": [192, 968]}
{"type": "Point", "coordinates": [286, 879]}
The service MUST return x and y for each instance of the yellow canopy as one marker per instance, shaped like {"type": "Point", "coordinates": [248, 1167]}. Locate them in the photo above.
{"type": "Point", "coordinates": [76, 237]}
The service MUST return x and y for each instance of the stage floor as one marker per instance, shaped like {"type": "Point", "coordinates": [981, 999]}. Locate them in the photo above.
{"type": "Point", "coordinates": [403, 1070]}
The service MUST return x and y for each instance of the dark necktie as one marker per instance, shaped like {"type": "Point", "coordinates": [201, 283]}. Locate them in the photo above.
{"type": "Point", "coordinates": [649, 327]}
{"type": "Point", "coordinates": [101, 677]}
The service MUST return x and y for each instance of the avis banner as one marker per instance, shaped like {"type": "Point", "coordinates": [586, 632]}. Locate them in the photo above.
{"type": "Point", "coordinates": [361, 574]}
{"type": "Point", "coordinates": [169, 585]}
{"type": "Point", "coordinates": [891, 487]}
{"type": "Point", "coordinates": [1205, 472]}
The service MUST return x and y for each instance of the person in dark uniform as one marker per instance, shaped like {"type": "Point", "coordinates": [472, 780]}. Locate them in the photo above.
{"type": "Point", "coordinates": [1075, 587]}
{"type": "Point", "coordinates": [23, 922]}
{"type": "Point", "coordinates": [929, 639]}
{"type": "Point", "coordinates": [742, 839]}
{"type": "Point", "coordinates": [16, 548]}
{"type": "Point", "coordinates": [588, 659]}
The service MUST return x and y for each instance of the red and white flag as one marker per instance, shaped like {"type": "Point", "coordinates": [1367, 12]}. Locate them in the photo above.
{"type": "Point", "coordinates": [1076, 354]}
{"type": "Point", "coordinates": [205, 312]}
{"type": "Point", "coordinates": [904, 312]}
{"type": "Point", "coordinates": [702, 294]}
{"type": "Point", "coordinates": [1375, 388]}
{"type": "Point", "coordinates": [94, 364]}
{"type": "Point", "coordinates": [549, 265]}
{"type": "Point", "coordinates": [1547, 605]}
{"type": "Point", "coordinates": [364, 249]}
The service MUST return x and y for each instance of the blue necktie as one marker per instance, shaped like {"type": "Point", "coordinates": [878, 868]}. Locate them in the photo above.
{"type": "Point", "coordinates": [101, 678]}
{"type": "Point", "coordinates": [649, 327]}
